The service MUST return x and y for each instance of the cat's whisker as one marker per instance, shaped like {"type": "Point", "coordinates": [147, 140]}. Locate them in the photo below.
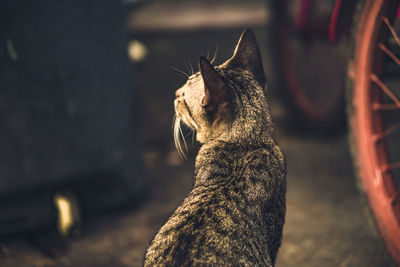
{"type": "Point", "coordinates": [215, 55]}
{"type": "Point", "coordinates": [173, 122]}
{"type": "Point", "coordinates": [183, 137]}
{"type": "Point", "coordinates": [176, 136]}
{"type": "Point", "coordinates": [187, 68]}
{"type": "Point", "coordinates": [180, 71]}
{"type": "Point", "coordinates": [177, 132]}
{"type": "Point", "coordinates": [191, 67]}
{"type": "Point", "coordinates": [187, 135]}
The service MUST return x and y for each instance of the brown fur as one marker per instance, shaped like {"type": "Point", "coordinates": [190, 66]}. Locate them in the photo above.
{"type": "Point", "coordinates": [234, 214]}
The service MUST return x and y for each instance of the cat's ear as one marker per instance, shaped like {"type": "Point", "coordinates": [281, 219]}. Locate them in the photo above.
{"type": "Point", "coordinates": [216, 91]}
{"type": "Point", "coordinates": [247, 56]}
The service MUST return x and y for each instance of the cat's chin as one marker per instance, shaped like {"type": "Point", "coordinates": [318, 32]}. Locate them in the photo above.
{"type": "Point", "coordinates": [200, 138]}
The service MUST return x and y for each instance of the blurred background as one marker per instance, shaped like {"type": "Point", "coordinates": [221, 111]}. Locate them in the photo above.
{"type": "Point", "coordinates": [89, 171]}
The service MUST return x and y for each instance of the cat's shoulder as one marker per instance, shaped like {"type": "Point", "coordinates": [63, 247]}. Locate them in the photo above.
{"type": "Point", "coordinates": [263, 153]}
{"type": "Point", "coordinates": [265, 160]}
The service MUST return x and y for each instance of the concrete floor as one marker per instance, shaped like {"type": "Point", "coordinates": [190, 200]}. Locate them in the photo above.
{"type": "Point", "coordinates": [325, 226]}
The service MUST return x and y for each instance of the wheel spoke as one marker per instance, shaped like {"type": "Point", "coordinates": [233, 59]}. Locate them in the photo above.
{"type": "Point", "coordinates": [386, 132]}
{"type": "Point", "coordinates": [394, 198]}
{"type": "Point", "coordinates": [385, 19]}
{"type": "Point", "coordinates": [381, 85]}
{"type": "Point", "coordinates": [380, 106]}
{"type": "Point", "coordinates": [391, 166]}
{"type": "Point", "coordinates": [389, 53]}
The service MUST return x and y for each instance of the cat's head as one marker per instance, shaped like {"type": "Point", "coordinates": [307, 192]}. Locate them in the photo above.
{"type": "Point", "coordinates": [226, 102]}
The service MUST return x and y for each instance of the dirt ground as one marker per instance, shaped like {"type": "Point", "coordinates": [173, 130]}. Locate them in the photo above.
{"type": "Point", "coordinates": [325, 225]}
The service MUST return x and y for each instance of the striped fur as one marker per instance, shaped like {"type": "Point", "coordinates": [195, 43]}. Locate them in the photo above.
{"type": "Point", "coordinates": [234, 214]}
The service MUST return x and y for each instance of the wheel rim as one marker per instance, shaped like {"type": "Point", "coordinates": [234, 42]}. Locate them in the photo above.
{"type": "Point", "coordinates": [375, 105]}
{"type": "Point", "coordinates": [318, 99]}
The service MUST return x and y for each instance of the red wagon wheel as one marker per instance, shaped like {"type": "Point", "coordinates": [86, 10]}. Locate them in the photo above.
{"type": "Point", "coordinates": [374, 113]}
{"type": "Point", "coordinates": [312, 69]}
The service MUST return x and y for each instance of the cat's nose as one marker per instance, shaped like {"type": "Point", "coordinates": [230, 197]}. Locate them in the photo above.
{"type": "Point", "coordinates": [179, 92]}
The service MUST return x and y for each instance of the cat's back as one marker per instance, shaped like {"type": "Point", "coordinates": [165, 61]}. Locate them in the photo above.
{"type": "Point", "coordinates": [209, 228]}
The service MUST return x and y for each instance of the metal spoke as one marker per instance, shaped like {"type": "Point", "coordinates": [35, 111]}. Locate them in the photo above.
{"type": "Point", "coordinates": [381, 85]}
{"type": "Point", "coordinates": [380, 106]}
{"type": "Point", "coordinates": [385, 19]}
{"type": "Point", "coordinates": [393, 199]}
{"type": "Point", "coordinates": [386, 132]}
{"type": "Point", "coordinates": [391, 166]}
{"type": "Point", "coordinates": [389, 53]}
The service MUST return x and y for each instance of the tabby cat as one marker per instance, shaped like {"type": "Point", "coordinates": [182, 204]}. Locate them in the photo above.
{"type": "Point", "coordinates": [234, 214]}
